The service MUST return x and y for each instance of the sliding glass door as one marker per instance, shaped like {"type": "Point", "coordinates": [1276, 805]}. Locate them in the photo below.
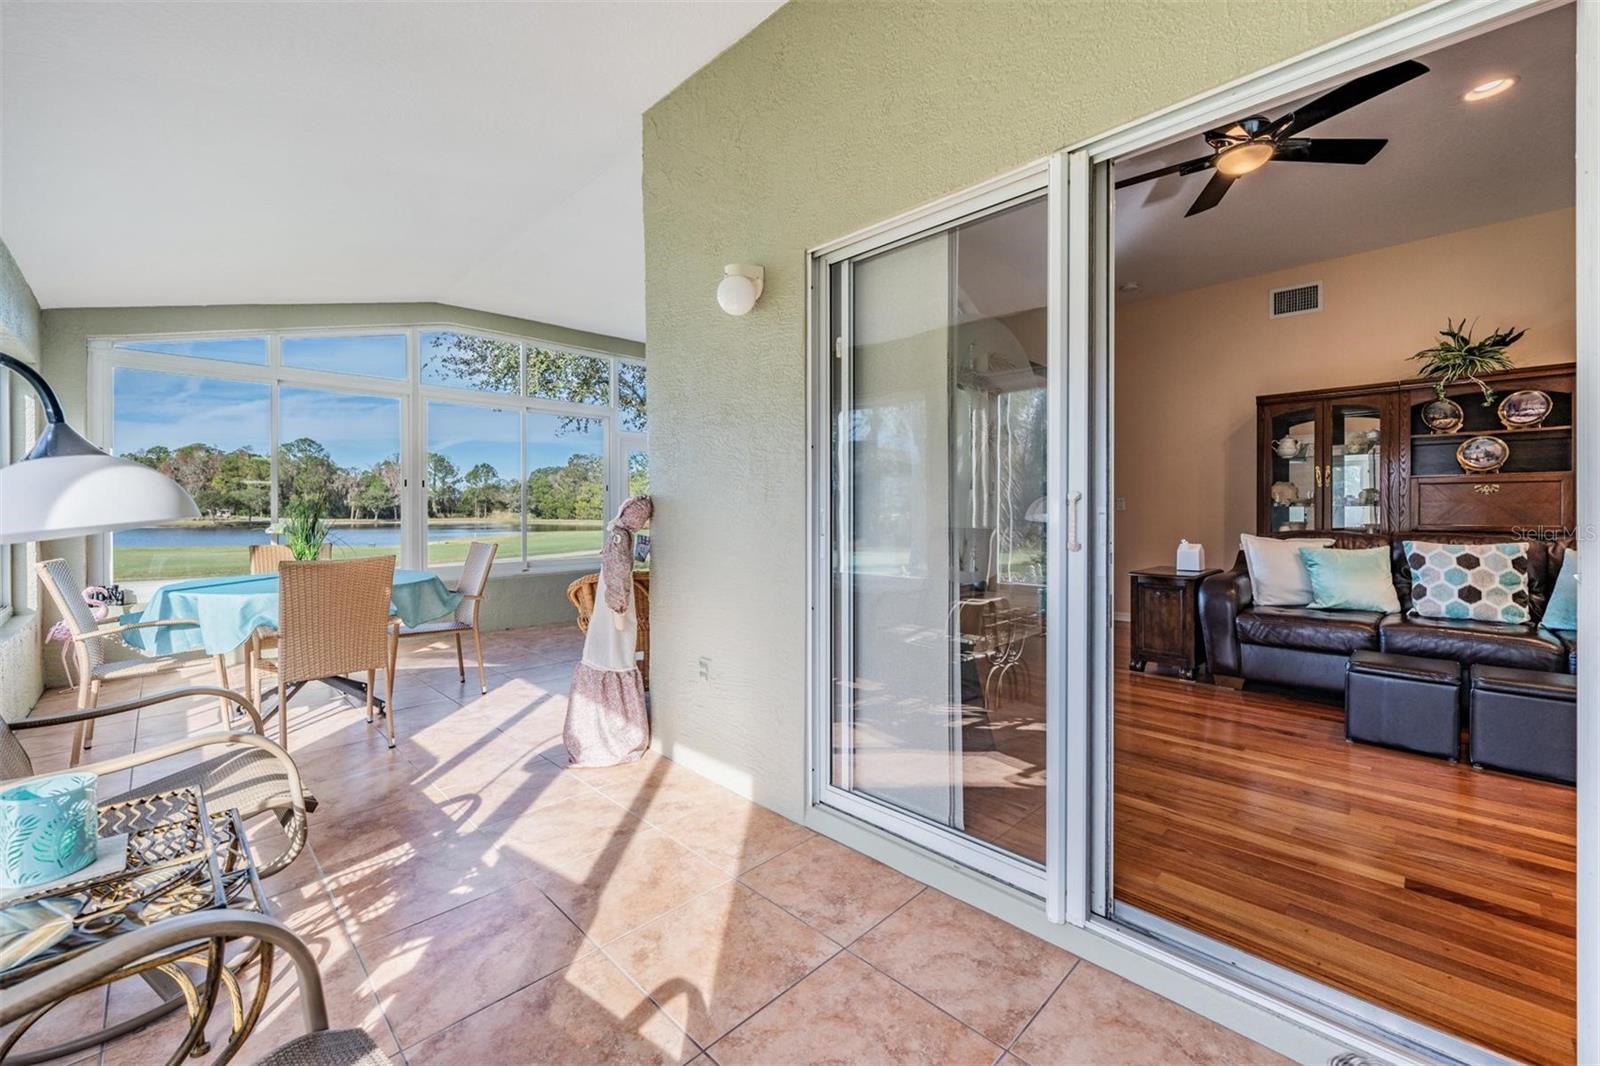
{"type": "Point", "coordinates": [940, 654]}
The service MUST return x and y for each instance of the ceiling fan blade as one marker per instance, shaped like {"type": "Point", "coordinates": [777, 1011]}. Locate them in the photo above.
{"type": "Point", "coordinates": [1192, 166]}
{"type": "Point", "coordinates": [1346, 96]}
{"type": "Point", "coordinates": [1355, 151]}
{"type": "Point", "coordinates": [1211, 195]}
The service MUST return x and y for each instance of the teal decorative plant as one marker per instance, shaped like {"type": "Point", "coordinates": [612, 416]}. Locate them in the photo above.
{"type": "Point", "coordinates": [1458, 356]}
{"type": "Point", "coordinates": [304, 530]}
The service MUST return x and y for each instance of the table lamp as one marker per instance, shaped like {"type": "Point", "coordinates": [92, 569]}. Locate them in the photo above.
{"type": "Point", "coordinates": [67, 487]}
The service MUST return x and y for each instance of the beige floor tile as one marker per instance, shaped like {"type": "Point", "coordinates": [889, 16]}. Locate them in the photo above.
{"type": "Point", "coordinates": [848, 1012]}
{"type": "Point", "coordinates": [552, 834]}
{"type": "Point", "coordinates": [717, 959]}
{"type": "Point", "coordinates": [346, 832]}
{"type": "Point", "coordinates": [587, 1013]}
{"type": "Point", "coordinates": [1098, 1017]}
{"type": "Point", "coordinates": [437, 972]}
{"type": "Point", "coordinates": [734, 834]}
{"type": "Point", "coordinates": [988, 973]}
{"type": "Point", "coordinates": [839, 891]}
{"type": "Point", "coordinates": [80, 1015]}
{"type": "Point", "coordinates": [396, 888]}
{"type": "Point", "coordinates": [627, 883]}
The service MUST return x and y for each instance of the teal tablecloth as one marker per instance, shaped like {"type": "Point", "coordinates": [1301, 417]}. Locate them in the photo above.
{"type": "Point", "coordinates": [228, 610]}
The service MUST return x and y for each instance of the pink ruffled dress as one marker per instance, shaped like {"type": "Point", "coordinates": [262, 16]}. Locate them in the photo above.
{"type": "Point", "coordinates": [607, 721]}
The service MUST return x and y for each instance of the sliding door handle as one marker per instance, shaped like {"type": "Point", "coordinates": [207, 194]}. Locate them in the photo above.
{"type": "Point", "coordinates": [1072, 521]}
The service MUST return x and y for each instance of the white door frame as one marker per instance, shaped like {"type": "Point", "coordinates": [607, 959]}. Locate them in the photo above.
{"type": "Point", "coordinates": [1427, 28]}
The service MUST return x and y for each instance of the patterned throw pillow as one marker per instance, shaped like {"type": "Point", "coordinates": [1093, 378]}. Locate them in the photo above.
{"type": "Point", "coordinates": [1486, 582]}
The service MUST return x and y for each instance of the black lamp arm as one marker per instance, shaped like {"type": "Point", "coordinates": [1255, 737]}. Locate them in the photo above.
{"type": "Point", "coordinates": [47, 396]}
{"type": "Point", "coordinates": [58, 438]}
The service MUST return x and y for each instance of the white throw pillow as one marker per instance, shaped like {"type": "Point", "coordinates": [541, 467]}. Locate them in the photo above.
{"type": "Point", "coordinates": [1278, 576]}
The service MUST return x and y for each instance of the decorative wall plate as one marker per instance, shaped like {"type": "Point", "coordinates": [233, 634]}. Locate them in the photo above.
{"type": "Point", "coordinates": [1482, 455]}
{"type": "Point", "coordinates": [1526, 409]}
{"type": "Point", "coordinates": [1443, 416]}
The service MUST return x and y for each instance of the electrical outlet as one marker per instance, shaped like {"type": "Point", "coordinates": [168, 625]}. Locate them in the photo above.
{"type": "Point", "coordinates": [705, 668]}
{"type": "Point", "coordinates": [1122, 503]}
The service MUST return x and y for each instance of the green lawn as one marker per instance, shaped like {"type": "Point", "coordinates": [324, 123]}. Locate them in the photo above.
{"type": "Point", "coordinates": [177, 562]}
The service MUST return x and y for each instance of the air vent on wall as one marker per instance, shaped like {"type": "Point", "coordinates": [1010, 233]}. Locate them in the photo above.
{"type": "Point", "coordinates": [1297, 300]}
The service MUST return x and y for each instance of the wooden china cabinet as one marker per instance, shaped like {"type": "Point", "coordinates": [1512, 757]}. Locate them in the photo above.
{"type": "Point", "coordinates": [1362, 459]}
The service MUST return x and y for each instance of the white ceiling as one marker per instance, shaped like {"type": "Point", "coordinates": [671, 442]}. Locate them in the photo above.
{"type": "Point", "coordinates": [1449, 165]}
{"type": "Point", "coordinates": [480, 154]}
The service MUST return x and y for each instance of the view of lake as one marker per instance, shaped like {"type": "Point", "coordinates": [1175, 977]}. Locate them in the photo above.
{"type": "Point", "coordinates": [379, 536]}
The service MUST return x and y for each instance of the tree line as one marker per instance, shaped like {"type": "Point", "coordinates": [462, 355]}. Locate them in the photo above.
{"type": "Point", "coordinates": [238, 484]}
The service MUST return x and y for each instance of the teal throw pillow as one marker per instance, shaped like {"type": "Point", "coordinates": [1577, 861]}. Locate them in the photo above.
{"type": "Point", "coordinates": [1562, 611]}
{"type": "Point", "coordinates": [1351, 579]}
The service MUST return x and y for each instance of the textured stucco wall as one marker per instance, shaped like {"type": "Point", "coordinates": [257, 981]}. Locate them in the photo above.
{"type": "Point", "coordinates": [826, 118]}
{"type": "Point", "coordinates": [513, 600]}
{"type": "Point", "coordinates": [19, 637]}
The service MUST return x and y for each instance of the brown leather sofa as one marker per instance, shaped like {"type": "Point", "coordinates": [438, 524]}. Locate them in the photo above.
{"type": "Point", "coordinates": [1301, 647]}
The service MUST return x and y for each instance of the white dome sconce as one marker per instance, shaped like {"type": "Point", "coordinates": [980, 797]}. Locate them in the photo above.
{"type": "Point", "coordinates": [740, 288]}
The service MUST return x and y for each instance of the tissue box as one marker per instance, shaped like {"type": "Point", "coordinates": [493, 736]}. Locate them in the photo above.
{"type": "Point", "coordinates": [1191, 557]}
{"type": "Point", "coordinates": [47, 829]}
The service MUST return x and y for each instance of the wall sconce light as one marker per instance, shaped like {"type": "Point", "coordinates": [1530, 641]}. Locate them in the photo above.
{"type": "Point", "coordinates": [740, 288]}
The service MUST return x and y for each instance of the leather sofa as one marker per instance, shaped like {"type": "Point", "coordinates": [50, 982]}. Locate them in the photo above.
{"type": "Point", "coordinates": [1305, 648]}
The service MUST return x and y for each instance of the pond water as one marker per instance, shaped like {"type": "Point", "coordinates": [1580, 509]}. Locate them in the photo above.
{"type": "Point", "coordinates": [386, 535]}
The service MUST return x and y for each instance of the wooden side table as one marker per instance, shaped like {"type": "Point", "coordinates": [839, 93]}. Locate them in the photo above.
{"type": "Point", "coordinates": [1166, 619]}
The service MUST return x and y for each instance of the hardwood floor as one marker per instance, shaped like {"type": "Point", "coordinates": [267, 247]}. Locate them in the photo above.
{"type": "Point", "coordinates": [1442, 892]}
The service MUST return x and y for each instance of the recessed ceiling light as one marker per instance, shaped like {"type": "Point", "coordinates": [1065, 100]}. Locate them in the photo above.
{"type": "Point", "coordinates": [1129, 286]}
{"type": "Point", "coordinates": [1493, 87]}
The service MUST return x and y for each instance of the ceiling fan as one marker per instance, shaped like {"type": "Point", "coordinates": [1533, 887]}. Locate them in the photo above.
{"type": "Point", "coordinates": [1251, 143]}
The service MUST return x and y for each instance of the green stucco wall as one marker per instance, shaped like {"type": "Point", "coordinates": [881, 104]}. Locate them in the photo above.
{"type": "Point", "coordinates": [19, 636]}
{"type": "Point", "coordinates": [826, 118]}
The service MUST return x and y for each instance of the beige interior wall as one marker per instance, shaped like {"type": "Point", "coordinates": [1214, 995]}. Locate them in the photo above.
{"type": "Point", "coordinates": [1189, 365]}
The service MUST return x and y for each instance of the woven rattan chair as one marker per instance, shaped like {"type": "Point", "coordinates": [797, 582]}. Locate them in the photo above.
{"type": "Point", "coordinates": [264, 559]}
{"type": "Point", "coordinates": [474, 579]}
{"type": "Point", "coordinates": [29, 1000]}
{"type": "Point", "coordinates": [581, 594]}
{"type": "Point", "coordinates": [333, 619]}
{"type": "Point", "coordinates": [89, 641]}
{"type": "Point", "coordinates": [254, 777]}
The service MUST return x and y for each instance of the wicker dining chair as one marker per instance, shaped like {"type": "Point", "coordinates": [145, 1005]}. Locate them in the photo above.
{"type": "Point", "coordinates": [581, 595]}
{"type": "Point", "coordinates": [264, 559]}
{"type": "Point", "coordinates": [333, 619]}
{"type": "Point", "coordinates": [89, 640]}
{"type": "Point", "coordinates": [472, 583]}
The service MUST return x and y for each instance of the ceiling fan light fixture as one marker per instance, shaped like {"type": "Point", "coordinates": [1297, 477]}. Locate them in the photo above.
{"type": "Point", "coordinates": [1243, 158]}
{"type": "Point", "coordinates": [1493, 87]}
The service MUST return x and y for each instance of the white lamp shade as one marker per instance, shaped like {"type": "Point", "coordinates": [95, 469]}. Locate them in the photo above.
{"type": "Point", "coordinates": [736, 294]}
{"type": "Point", "coordinates": [72, 495]}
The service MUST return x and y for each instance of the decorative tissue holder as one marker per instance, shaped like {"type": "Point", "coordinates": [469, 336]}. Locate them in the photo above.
{"type": "Point", "coordinates": [48, 829]}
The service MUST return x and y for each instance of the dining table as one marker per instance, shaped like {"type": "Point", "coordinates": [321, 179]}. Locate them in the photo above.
{"type": "Point", "coordinates": [225, 611]}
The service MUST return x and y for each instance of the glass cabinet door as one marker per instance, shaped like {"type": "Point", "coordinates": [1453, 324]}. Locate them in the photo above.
{"type": "Point", "coordinates": [1355, 475]}
{"type": "Point", "coordinates": [1295, 476]}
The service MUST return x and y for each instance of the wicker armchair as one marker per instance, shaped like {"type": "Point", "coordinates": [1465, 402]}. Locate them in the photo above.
{"type": "Point", "coordinates": [472, 583]}
{"type": "Point", "coordinates": [264, 559]}
{"type": "Point", "coordinates": [333, 619]}
{"type": "Point", "coordinates": [32, 999]}
{"type": "Point", "coordinates": [255, 777]}
{"type": "Point", "coordinates": [581, 594]}
{"type": "Point", "coordinates": [89, 646]}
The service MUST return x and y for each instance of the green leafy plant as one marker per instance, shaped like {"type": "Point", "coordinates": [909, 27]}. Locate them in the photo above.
{"type": "Point", "coordinates": [1460, 357]}
{"type": "Point", "coordinates": [304, 529]}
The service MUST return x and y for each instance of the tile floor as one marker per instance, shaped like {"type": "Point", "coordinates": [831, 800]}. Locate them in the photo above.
{"type": "Point", "coordinates": [469, 898]}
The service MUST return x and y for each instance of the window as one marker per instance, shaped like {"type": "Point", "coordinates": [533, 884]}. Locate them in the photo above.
{"type": "Point", "coordinates": [5, 458]}
{"type": "Point", "coordinates": [440, 437]}
{"type": "Point", "coordinates": [566, 485]}
{"type": "Point", "coordinates": [227, 349]}
{"type": "Point", "coordinates": [341, 451]}
{"type": "Point", "coordinates": [569, 377]}
{"type": "Point", "coordinates": [213, 436]}
{"type": "Point", "coordinates": [474, 479]}
{"type": "Point", "coordinates": [468, 361]}
{"type": "Point", "coordinates": [630, 397]}
{"type": "Point", "coordinates": [374, 356]}
{"type": "Point", "coordinates": [638, 473]}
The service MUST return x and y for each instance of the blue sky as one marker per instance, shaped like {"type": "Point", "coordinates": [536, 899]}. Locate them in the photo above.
{"type": "Point", "coordinates": [155, 408]}
{"type": "Point", "coordinates": [376, 356]}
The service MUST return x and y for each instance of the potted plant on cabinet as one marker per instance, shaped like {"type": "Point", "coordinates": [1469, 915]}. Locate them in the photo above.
{"type": "Point", "coordinates": [1458, 356]}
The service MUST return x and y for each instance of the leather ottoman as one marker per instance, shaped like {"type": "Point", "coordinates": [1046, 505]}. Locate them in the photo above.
{"type": "Point", "coordinates": [1403, 701]}
{"type": "Point", "coordinates": [1525, 721]}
